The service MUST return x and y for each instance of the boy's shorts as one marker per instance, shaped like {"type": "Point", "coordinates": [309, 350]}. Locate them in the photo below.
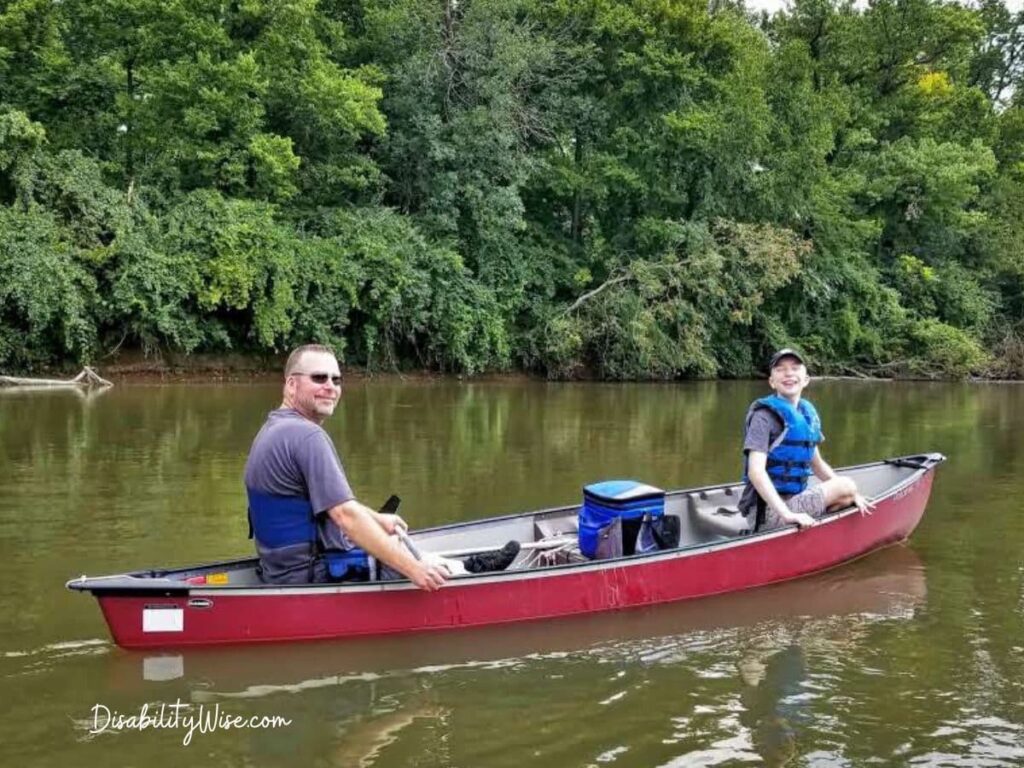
{"type": "Point", "coordinates": [809, 502]}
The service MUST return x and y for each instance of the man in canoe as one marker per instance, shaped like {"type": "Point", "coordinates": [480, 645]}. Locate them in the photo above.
{"type": "Point", "coordinates": [305, 519]}
{"type": "Point", "coordinates": [780, 445]}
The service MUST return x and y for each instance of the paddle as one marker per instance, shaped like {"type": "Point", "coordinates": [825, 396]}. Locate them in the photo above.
{"type": "Point", "coordinates": [390, 507]}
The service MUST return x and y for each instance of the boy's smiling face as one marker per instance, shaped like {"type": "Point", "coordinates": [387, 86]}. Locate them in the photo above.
{"type": "Point", "coordinates": [789, 378]}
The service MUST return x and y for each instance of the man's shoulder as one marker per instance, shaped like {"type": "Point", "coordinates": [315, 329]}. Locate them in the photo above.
{"type": "Point", "coordinates": [286, 420]}
{"type": "Point", "coordinates": [285, 426]}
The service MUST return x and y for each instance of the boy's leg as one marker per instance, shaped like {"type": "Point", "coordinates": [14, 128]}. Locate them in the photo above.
{"type": "Point", "coordinates": [829, 495]}
{"type": "Point", "coordinates": [812, 501]}
{"type": "Point", "coordinates": [839, 492]}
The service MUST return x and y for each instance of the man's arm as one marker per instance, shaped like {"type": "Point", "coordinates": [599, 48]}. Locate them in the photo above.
{"type": "Point", "coordinates": [360, 524]}
{"type": "Point", "coordinates": [757, 471]}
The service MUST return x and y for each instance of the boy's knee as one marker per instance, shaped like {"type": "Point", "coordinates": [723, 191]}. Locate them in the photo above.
{"type": "Point", "coordinates": [840, 491]}
{"type": "Point", "coordinates": [845, 489]}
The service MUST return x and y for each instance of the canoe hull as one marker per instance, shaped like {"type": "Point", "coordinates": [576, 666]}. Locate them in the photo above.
{"type": "Point", "coordinates": [210, 616]}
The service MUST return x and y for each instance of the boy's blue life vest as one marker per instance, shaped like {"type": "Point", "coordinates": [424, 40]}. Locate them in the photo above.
{"type": "Point", "coordinates": [628, 500]}
{"type": "Point", "coordinates": [789, 461]}
{"type": "Point", "coordinates": [284, 521]}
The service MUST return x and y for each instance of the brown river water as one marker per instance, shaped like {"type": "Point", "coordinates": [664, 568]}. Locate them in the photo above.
{"type": "Point", "coordinates": [911, 656]}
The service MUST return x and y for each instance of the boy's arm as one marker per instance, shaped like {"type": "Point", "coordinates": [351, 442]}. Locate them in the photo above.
{"type": "Point", "coordinates": [820, 467]}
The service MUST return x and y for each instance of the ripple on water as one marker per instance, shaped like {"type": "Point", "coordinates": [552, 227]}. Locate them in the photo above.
{"type": "Point", "coordinates": [45, 657]}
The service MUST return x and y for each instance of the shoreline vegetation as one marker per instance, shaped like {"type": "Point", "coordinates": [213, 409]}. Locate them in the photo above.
{"type": "Point", "coordinates": [212, 369]}
{"type": "Point", "coordinates": [583, 189]}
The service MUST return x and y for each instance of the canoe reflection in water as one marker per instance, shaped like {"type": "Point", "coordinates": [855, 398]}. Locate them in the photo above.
{"type": "Point", "coordinates": [528, 685]}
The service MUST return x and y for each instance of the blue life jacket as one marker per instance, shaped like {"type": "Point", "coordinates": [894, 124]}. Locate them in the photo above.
{"type": "Point", "coordinates": [789, 461]}
{"type": "Point", "coordinates": [284, 521]}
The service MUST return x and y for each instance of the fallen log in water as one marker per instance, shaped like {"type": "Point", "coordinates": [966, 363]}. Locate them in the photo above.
{"type": "Point", "coordinates": [87, 378]}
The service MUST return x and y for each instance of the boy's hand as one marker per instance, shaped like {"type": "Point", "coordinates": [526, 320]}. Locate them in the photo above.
{"type": "Point", "coordinates": [866, 507]}
{"type": "Point", "coordinates": [800, 518]}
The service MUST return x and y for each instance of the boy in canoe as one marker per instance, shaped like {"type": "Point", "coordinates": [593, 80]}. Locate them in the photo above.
{"type": "Point", "coordinates": [780, 446]}
{"type": "Point", "coordinates": [305, 519]}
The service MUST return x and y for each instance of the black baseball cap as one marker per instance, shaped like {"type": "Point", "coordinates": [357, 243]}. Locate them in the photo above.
{"type": "Point", "coordinates": [787, 352]}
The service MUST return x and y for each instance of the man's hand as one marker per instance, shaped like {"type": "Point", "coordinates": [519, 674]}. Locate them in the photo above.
{"type": "Point", "coordinates": [390, 522]}
{"type": "Point", "coordinates": [800, 518]}
{"type": "Point", "coordinates": [866, 507]}
{"type": "Point", "coordinates": [428, 577]}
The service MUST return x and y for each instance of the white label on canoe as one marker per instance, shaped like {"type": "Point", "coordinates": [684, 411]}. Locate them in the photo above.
{"type": "Point", "coordinates": [163, 619]}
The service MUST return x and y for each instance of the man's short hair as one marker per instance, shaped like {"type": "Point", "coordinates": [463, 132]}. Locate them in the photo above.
{"type": "Point", "coordinates": [296, 356]}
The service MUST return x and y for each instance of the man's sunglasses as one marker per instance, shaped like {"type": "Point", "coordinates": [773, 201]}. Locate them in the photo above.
{"type": "Point", "coordinates": [320, 378]}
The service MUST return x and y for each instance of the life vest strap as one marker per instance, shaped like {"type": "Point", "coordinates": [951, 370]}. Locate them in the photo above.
{"type": "Point", "coordinates": [787, 464]}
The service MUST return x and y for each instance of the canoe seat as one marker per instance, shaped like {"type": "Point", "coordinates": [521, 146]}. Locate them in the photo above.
{"type": "Point", "coordinates": [714, 515]}
{"type": "Point", "coordinates": [553, 527]}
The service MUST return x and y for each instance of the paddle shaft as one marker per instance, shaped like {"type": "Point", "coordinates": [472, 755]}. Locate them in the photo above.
{"type": "Point", "coordinates": [404, 538]}
{"type": "Point", "coordinates": [390, 507]}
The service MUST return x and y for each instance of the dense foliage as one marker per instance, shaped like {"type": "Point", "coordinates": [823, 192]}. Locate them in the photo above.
{"type": "Point", "coordinates": [615, 188]}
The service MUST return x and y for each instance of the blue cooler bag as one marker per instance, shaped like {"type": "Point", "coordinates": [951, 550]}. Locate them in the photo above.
{"type": "Point", "coordinates": [626, 500]}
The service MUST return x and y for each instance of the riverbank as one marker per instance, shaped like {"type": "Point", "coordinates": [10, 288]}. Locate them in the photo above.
{"type": "Point", "coordinates": [135, 367]}
{"type": "Point", "coordinates": [205, 369]}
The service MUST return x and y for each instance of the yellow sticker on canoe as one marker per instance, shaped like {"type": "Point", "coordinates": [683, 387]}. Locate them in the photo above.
{"type": "Point", "coordinates": [217, 578]}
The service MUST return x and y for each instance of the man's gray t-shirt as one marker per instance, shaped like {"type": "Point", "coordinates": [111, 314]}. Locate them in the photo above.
{"type": "Point", "coordinates": [293, 456]}
{"type": "Point", "coordinates": [763, 431]}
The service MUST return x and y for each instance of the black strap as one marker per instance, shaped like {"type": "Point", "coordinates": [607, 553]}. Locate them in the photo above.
{"type": "Point", "coordinates": [801, 443]}
{"type": "Point", "coordinates": [787, 464]}
{"type": "Point", "coordinates": [316, 549]}
{"type": "Point", "coordinates": [762, 512]}
{"type": "Point", "coordinates": [905, 463]}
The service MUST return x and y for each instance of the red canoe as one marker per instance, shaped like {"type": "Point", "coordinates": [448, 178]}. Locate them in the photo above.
{"type": "Point", "coordinates": [226, 603]}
